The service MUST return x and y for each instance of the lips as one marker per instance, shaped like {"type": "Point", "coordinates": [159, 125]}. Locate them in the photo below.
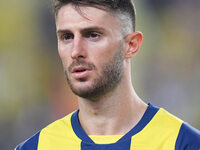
{"type": "Point", "coordinates": [80, 72]}
{"type": "Point", "coordinates": [79, 69]}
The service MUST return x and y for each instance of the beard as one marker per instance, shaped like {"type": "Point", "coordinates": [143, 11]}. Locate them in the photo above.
{"type": "Point", "coordinates": [103, 83]}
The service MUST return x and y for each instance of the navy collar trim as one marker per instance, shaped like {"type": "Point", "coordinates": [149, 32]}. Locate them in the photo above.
{"type": "Point", "coordinates": [146, 118]}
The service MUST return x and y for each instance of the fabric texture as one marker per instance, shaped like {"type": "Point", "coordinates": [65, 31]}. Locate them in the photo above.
{"type": "Point", "coordinates": [157, 130]}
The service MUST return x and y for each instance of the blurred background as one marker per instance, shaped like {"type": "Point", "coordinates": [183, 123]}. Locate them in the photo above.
{"type": "Point", "coordinates": [33, 91]}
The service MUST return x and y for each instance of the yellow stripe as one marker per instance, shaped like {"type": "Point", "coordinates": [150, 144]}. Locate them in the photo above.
{"type": "Point", "coordinates": [59, 136]}
{"type": "Point", "coordinates": [160, 134]}
{"type": "Point", "coordinates": [105, 139]}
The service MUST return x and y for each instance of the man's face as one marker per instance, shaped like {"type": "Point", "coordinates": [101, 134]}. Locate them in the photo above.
{"type": "Point", "coordinates": [91, 50]}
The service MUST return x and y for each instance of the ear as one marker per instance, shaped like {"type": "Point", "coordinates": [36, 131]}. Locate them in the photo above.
{"type": "Point", "coordinates": [133, 42]}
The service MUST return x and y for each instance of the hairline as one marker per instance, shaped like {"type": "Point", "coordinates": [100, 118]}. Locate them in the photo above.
{"type": "Point", "coordinates": [123, 18]}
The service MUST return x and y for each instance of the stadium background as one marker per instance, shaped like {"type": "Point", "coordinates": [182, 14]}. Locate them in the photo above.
{"type": "Point", "coordinates": [33, 91]}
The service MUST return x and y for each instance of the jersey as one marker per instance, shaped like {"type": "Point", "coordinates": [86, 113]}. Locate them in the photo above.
{"type": "Point", "coordinates": [157, 130]}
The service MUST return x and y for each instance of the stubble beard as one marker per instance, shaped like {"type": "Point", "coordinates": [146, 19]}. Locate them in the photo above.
{"type": "Point", "coordinates": [108, 79]}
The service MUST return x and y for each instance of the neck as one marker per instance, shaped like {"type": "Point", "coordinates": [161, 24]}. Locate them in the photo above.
{"type": "Point", "coordinates": [115, 113]}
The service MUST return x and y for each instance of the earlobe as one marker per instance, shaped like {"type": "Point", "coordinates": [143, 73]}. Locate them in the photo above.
{"type": "Point", "coordinates": [133, 43]}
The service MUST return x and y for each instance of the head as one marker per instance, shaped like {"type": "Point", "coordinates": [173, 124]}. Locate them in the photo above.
{"type": "Point", "coordinates": [95, 40]}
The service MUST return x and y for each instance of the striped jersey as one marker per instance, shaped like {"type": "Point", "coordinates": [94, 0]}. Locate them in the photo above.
{"type": "Point", "coordinates": [157, 130]}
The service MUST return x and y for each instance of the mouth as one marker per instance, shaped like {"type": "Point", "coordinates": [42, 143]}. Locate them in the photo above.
{"type": "Point", "coordinates": [81, 72]}
{"type": "Point", "coordinates": [79, 69]}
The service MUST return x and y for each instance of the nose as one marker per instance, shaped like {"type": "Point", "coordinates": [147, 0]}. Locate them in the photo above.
{"type": "Point", "coordinates": [78, 48]}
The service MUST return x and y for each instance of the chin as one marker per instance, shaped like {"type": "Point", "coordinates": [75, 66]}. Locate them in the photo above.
{"type": "Point", "coordinates": [87, 92]}
{"type": "Point", "coordinates": [80, 89]}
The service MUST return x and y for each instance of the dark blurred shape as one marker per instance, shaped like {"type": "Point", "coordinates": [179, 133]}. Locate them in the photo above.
{"type": "Point", "coordinates": [158, 6]}
{"type": "Point", "coordinates": [47, 27]}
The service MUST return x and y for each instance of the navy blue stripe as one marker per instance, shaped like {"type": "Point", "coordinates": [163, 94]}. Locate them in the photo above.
{"type": "Point", "coordinates": [148, 115]}
{"type": "Point", "coordinates": [146, 118]}
{"type": "Point", "coordinates": [125, 145]}
{"type": "Point", "coordinates": [188, 138]}
{"type": "Point", "coordinates": [30, 144]}
{"type": "Point", "coordinates": [78, 129]}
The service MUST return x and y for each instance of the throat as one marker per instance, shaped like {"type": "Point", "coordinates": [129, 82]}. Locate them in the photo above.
{"type": "Point", "coordinates": [99, 124]}
{"type": "Point", "coordinates": [111, 119]}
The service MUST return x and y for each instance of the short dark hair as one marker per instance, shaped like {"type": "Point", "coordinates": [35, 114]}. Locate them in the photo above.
{"type": "Point", "coordinates": [125, 7]}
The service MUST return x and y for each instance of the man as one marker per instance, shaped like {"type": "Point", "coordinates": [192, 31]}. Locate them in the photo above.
{"type": "Point", "coordinates": [96, 40]}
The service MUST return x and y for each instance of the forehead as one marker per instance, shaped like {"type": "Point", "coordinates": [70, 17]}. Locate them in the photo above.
{"type": "Point", "coordinates": [84, 16]}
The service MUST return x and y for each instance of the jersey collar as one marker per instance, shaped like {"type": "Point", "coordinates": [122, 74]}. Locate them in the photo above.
{"type": "Point", "coordinates": [146, 118]}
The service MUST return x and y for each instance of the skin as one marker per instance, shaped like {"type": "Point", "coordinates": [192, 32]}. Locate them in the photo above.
{"type": "Point", "coordinates": [95, 38]}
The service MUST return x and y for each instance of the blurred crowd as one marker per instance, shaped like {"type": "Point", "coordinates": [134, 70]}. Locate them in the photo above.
{"type": "Point", "coordinates": [33, 90]}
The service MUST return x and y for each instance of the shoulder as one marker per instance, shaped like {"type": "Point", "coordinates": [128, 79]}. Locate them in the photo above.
{"type": "Point", "coordinates": [163, 117]}
{"type": "Point", "coordinates": [163, 123]}
{"type": "Point", "coordinates": [29, 144]}
{"type": "Point", "coordinates": [167, 121]}
{"type": "Point", "coordinates": [188, 138]}
{"type": "Point", "coordinates": [185, 137]}
{"type": "Point", "coordinates": [32, 142]}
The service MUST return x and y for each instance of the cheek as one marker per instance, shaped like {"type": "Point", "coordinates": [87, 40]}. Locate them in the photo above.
{"type": "Point", "coordinates": [102, 57]}
{"type": "Point", "coordinates": [64, 55]}
{"type": "Point", "coordinates": [104, 53]}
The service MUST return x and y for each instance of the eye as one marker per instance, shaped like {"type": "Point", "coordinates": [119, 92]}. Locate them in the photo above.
{"type": "Point", "coordinates": [92, 35]}
{"type": "Point", "coordinates": [67, 36]}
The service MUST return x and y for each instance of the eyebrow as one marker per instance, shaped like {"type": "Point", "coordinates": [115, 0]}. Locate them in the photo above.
{"type": "Point", "coordinates": [61, 31]}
